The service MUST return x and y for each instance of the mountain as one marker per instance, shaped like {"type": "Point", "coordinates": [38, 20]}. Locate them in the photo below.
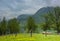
{"type": "Point", "coordinates": [23, 18]}
{"type": "Point", "coordinates": [38, 15]}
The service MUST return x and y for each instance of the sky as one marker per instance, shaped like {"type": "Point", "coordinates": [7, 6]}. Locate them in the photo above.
{"type": "Point", "coordinates": [14, 8]}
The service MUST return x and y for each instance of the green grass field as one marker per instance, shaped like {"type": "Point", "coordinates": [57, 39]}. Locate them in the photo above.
{"type": "Point", "coordinates": [26, 37]}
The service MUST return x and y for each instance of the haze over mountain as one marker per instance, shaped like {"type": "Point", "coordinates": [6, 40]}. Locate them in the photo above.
{"type": "Point", "coordinates": [37, 16]}
{"type": "Point", "coordinates": [23, 18]}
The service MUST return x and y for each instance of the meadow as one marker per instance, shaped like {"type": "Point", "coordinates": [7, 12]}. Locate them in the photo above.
{"type": "Point", "coordinates": [26, 37]}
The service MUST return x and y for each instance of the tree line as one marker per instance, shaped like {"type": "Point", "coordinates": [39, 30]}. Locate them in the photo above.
{"type": "Point", "coordinates": [51, 20]}
{"type": "Point", "coordinates": [11, 26]}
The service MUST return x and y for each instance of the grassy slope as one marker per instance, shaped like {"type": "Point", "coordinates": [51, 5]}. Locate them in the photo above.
{"type": "Point", "coordinates": [26, 37]}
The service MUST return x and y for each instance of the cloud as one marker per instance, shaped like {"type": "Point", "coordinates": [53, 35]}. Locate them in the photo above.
{"type": "Point", "coordinates": [14, 8]}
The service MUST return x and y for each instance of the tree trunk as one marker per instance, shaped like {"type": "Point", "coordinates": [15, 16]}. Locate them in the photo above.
{"type": "Point", "coordinates": [15, 34]}
{"type": "Point", "coordinates": [46, 33]}
{"type": "Point", "coordinates": [58, 30]}
{"type": "Point", "coordinates": [31, 33]}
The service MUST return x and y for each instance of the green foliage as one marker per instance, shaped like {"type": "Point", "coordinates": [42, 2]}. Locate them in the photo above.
{"type": "Point", "coordinates": [3, 26]}
{"type": "Point", "coordinates": [56, 18]}
{"type": "Point", "coordinates": [31, 24]}
{"type": "Point", "coordinates": [52, 20]}
{"type": "Point", "coordinates": [46, 24]}
{"type": "Point", "coordinates": [14, 25]}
